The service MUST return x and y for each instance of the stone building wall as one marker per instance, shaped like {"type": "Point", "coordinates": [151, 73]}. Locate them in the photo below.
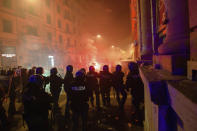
{"type": "Point", "coordinates": [170, 93]}
{"type": "Point", "coordinates": [44, 24]}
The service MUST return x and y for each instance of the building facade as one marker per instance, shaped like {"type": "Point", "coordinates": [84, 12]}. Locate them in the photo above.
{"type": "Point", "coordinates": [167, 40]}
{"type": "Point", "coordinates": [38, 33]}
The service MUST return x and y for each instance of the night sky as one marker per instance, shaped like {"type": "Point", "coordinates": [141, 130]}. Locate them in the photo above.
{"type": "Point", "coordinates": [111, 19]}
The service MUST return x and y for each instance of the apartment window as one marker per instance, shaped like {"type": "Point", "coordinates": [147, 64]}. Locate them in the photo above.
{"type": "Point", "coordinates": [58, 9]}
{"type": "Point", "coordinates": [49, 36]}
{"type": "Point", "coordinates": [74, 30]}
{"type": "Point", "coordinates": [67, 28]}
{"type": "Point", "coordinates": [68, 42]}
{"type": "Point", "coordinates": [48, 19]}
{"type": "Point", "coordinates": [7, 3]}
{"type": "Point", "coordinates": [48, 2]}
{"type": "Point", "coordinates": [75, 43]}
{"type": "Point", "coordinates": [7, 26]}
{"type": "Point", "coordinates": [65, 14]}
{"type": "Point", "coordinates": [32, 31]}
{"type": "Point", "coordinates": [65, 2]}
{"type": "Point", "coordinates": [59, 24]}
{"type": "Point", "coordinates": [31, 10]}
{"type": "Point", "coordinates": [60, 39]}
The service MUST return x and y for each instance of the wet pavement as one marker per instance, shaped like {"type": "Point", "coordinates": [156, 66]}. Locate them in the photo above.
{"type": "Point", "coordinates": [107, 119]}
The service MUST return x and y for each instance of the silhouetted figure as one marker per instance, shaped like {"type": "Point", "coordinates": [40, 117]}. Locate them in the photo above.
{"type": "Point", "coordinates": [9, 72]}
{"type": "Point", "coordinates": [135, 83]}
{"type": "Point", "coordinates": [31, 72]}
{"type": "Point", "coordinates": [79, 101]}
{"type": "Point", "coordinates": [83, 70]}
{"type": "Point", "coordinates": [45, 80]}
{"type": "Point", "coordinates": [55, 86]}
{"type": "Point", "coordinates": [24, 78]}
{"type": "Point", "coordinates": [93, 86]}
{"type": "Point", "coordinates": [12, 93]}
{"type": "Point", "coordinates": [36, 105]}
{"type": "Point", "coordinates": [105, 85]}
{"type": "Point", "coordinates": [67, 84]}
{"type": "Point", "coordinates": [118, 84]}
{"type": "Point", "coordinates": [3, 117]}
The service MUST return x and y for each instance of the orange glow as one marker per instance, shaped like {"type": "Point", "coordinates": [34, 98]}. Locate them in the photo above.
{"type": "Point", "coordinates": [97, 66]}
{"type": "Point", "coordinates": [98, 36]}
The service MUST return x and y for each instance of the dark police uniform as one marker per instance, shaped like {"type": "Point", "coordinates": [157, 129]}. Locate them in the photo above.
{"type": "Point", "coordinates": [118, 84]}
{"type": "Point", "coordinates": [79, 102]}
{"type": "Point", "coordinates": [36, 106]}
{"type": "Point", "coordinates": [105, 86]}
{"type": "Point", "coordinates": [68, 79]}
{"type": "Point", "coordinates": [55, 88]}
{"type": "Point", "coordinates": [137, 90]}
{"type": "Point", "coordinates": [93, 87]}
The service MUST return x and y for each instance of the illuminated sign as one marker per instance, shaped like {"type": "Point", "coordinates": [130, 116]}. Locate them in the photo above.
{"type": "Point", "coordinates": [52, 60]}
{"type": "Point", "coordinates": [8, 55]}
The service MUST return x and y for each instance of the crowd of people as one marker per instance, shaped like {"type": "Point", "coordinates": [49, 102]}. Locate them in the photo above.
{"type": "Point", "coordinates": [81, 89]}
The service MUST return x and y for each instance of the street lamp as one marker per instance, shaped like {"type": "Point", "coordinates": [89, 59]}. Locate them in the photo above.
{"type": "Point", "coordinates": [98, 36]}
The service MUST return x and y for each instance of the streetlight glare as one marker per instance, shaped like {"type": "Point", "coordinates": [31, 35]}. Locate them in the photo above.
{"type": "Point", "coordinates": [98, 36]}
{"type": "Point", "coordinates": [32, 1]}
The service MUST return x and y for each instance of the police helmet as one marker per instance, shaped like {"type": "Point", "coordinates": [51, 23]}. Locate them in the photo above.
{"type": "Point", "coordinates": [91, 68]}
{"type": "Point", "coordinates": [118, 67]}
{"type": "Point", "coordinates": [105, 68]}
{"type": "Point", "coordinates": [36, 79]}
{"type": "Point", "coordinates": [69, 68]}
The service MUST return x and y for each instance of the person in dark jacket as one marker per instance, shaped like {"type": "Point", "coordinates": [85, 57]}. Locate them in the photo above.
{"type": "Point", "coordinates": [83, 70]}
{"type": "Point", "coordinates": [45, 80]}
{"type": "Point", "coordinates": [118, 84]}
{"type": "Point", "coordinates": [105, 85]}
{"type": "Point", "coordinates": [79, 101]}
{"type": "Point", "coordinates": [136, 85]}
{"type": "Point", "coordinates": [36, 105]}
{"type": "Point", "coordinates": [93, 86]}
{"type": "Point", "coordinates": [3, 116]}
{"type": "Point", "coordinates": [12, 93]}
{"type": "Point", "coordinates": [55, 86]}
{"type": "Point", "coordinates": [67, 84]}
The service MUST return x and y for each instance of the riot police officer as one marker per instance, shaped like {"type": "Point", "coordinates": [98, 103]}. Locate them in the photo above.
{"type": "Point", "coordinates": [36, 105]}
{"type": "Point", "coordinates": [79, 101]}
{"type": "Point", "coordinates": [40, 72]}
{"type": "Point", "coordinates": [55, 85]}
{"type": "Point", "coordinates": [93, 86]}
{"type": "Point", "coordinates": [135, 83]}
{"type": "Point", "coordinates": [105, 85]}
{"type": "Point", "coordinates": [67, 84]}
{"type": "Point", "coordinates": [118, 84]}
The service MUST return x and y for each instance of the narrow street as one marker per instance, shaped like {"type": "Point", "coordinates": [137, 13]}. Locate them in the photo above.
{"type": "Point", "coordinates": [107, 119]}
